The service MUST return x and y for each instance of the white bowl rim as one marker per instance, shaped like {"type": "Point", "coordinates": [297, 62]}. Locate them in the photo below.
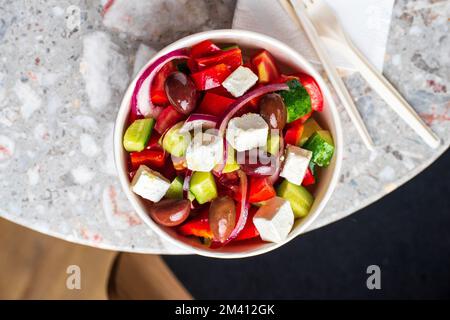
{"type": "Point", "coordinates": [187, 42]}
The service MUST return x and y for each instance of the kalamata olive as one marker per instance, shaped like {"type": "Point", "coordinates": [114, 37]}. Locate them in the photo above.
{"type": "Point", "coordinates": [257, 163]}
{"type": "Point", "coordinates": [222, 217]}
{"type": "Point", "coordinates": [273, 110]}
{"type": "Point", "coordinates": [181, 91]}
{"type": "Point", "coordinates": [170, 212]}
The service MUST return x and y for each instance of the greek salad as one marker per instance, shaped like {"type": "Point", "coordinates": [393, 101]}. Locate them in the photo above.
{"type": "Point", "coordinates": [223, 145]}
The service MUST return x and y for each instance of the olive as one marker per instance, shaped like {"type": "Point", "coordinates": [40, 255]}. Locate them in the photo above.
{"type": "Point", "coordinates": [181, 91]}
{"type": "Point", "coordinates": [170, 212]}
{"type": "Point", "coordinates": [273, 110]}
{"type": "Point", "coordinates": [222, 217]}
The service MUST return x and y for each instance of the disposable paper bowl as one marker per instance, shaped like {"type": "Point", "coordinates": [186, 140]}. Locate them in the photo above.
{"type": "Point", "coordinates": [329, 118]}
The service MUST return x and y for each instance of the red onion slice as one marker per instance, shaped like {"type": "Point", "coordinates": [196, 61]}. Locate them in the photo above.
{"type": "Point", "coordinates": [237, 105]}
{"type": "Point", "coordinates": [140, 100]}
{"type": "Point", "coordinates": [199, 120]}
{"type": "Point", "coordinates": [243, 212]}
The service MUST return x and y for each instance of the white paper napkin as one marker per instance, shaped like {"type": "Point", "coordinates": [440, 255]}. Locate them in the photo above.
{"type": "Point", "coordinates": [367, 23]}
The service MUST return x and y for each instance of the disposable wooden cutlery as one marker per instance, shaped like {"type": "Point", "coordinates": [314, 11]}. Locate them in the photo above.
{"type": "Point", "coordinates": [339, 86]}
{"type": "Point", "coordinates": [318, 16]}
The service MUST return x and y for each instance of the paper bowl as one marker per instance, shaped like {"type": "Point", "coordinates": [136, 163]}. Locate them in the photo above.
{"type": "Point", "coordinates": [329, 118]}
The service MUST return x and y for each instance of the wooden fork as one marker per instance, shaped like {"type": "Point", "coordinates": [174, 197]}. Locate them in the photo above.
{"type": "Point", "coordinates": [330, 30]}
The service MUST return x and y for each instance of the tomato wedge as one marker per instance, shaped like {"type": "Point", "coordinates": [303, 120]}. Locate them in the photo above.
{"type": "Point", "coordinates": [168, 117]}
{"type": "Point", "coordinates": [253, 104]}
{"type": "Point", "coordinates": [211, 77]}
{"type": "Point", "coordinates": [168, 170]}
{"type": "Point", "coordinates": [158, 93]}
{"type": "Point", "coordinates": [260, 189]}
{"type": "Point", "coordinates": [313, 89]}
{"type": "Point", "coordinates": [266, 67]}
{"type": "Point", "coordinates": [214, 104]}
{"type": "Point", "coordinates": [221, 91]}
{"type": "Point", "coordinates": [153, 157]}
{"type": "Point", "coordinates": [232, 58]}
{"type": "Point", "coordinates": [249, 231]}
{"type": "Point", "coordinates": [154, 140]}
{"type": "Point", "coordinates": [309, 178]}
{"type": "Point", "coordinates": [294, 133]}
{"type": "Point", "coordinates": [197, 226]}
{"type": "Point", "coordinates": [204, 48]}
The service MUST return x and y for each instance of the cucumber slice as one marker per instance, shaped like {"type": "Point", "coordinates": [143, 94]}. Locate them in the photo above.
{"type": "Point", "coordinates": [175, 142]}
{"type": "Point", "coordinates": [309, 128]}
{"type": "Point", "coordinates": [322, 146]}
{"type": "Point", "coordinates": [203, 186]}
{"type": "Point", "coordinates": [299, 198]}
{"type": "Point", "coordinates": [273, 143]}
{"type": "Point", "coordinates": [137, 135]}
{"type": "Point", "coordinates": [296, 100]}
{"type": "Point", "coordinates": [231, 164]}
{"type": "Point", "coordinates": [176, 189]}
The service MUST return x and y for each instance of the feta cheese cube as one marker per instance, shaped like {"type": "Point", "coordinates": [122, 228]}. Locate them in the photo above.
{"type": "Point", "coordinates": [247, 132]}
{"type": "Point", "coordinates": [149, 184]}
{"type": "Point", "coordinates": [240, 81]}
{"type": "Point", "coordinates": [204, 152]}
{"type": "Point", "coordinates": [274, 220]}
{"type": "Point", "coordinates": [295, 164]}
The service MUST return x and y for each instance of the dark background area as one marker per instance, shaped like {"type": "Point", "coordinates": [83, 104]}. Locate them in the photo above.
{"type": "Point", "coordinates": [407, 234]}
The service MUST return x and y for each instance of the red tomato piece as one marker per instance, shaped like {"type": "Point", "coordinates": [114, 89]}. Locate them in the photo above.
{"type": "Point", "coordinates": [313, 89]}
{"type": "Point", "coordinates": [158, 93]}
{"type": "Point", "coordinates": [266, 67]}
{"type": "Point", "coordinates": [167, 118]}
{"type": "Point", "coordinates": [168, 170]}
{"type": "Point", "coordinates": [294, 133]}
{"type": "Point", "coordinates": [249, 65]}
{"type": "Point", "coordinates": [249, 231]}
{"type": "Point", "coordinates": [197, 226]}
{"type": "Point", "coordinates": [309, 178]}
{"type": "Point", "coordinates": [232, 58]}
{"type": "Point", "coordinates": [211, 77]}
{"type": "Point", "coordinates": [154, 140]}
{"type": "Point", "coordinates": [254, 102]}
{"type": "Point", "coordinates": [214, 104]}
{"type": "Point", "coordinates": [204, 48]}
{"type": "Point", "coordinates": [221, 91]}
{"type": "Point", "coordinates": [192, 65]}
{"type": "Point", "coordinates": [153, 157]}
{"type": "Point", "coordinates": [260, 190]}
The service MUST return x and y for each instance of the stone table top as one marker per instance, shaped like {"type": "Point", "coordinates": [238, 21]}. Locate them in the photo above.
{"type": "Point", "coordinates": [64, 67]}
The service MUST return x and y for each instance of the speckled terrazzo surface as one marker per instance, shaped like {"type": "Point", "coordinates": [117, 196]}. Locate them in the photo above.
{"type": "Point", "coordinates": [61, 85]}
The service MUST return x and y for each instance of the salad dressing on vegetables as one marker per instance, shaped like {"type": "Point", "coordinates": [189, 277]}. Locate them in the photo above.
{"type": "Point", "coordinates": [225, 148]}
